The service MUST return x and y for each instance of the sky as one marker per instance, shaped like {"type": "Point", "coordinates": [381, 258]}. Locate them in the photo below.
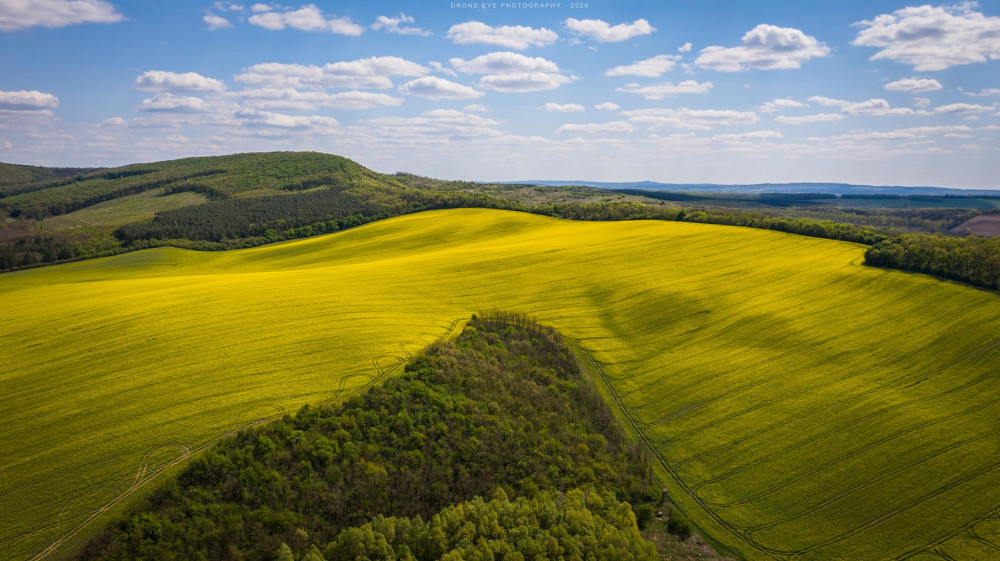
{"type": "Point", "coordinates": [870, 92]}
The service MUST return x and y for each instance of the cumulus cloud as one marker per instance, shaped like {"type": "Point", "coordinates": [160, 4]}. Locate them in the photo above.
{"type": "Point", "coordinates": [439, 125]}
{"type": "Point", "coordinates": [432, 87]}
{"type": "Point", "coordinates": [21, 14]}
{"type": "Point", "coordinates": [521, 82]}
{"type": "Point", "coordinates": [216, 22]}
{"type": "Point", "coordinates": [809, 119]}
{"type": "Point", "coordinates": [601, 31]}
{"type": "Point", "coordinates": [875, 107]}
{"type": "Point", "coordinates": [162, 81]}
{"type": "Point", "coordinates": [963, 108]}
{"type": "Point", "coordinates": [27, 100]}
{"type": "Point", "coordinates": [503, 63]}
{"type": "Point", "coordinates": [366, 73]}
{"type": "Point", "coordinates": [563, 108]}
{"type": "Point", "coordinates": [306, 18]}
{"type": "Point", "coordinates": [607, 106]}
{"type": "Point", "coordinates": [511, 36]}
{"type": "Point", "coordinates": [167, 103]}
{"type": "Point", "coordinates": [316, 123]}
{"type": "Point", "coordinates": [395, 25]}
{"type": "Point", "coordinates": [476, 107]}
{"type": "Point", "coordinates": [914, 85]}
{"type": "Point", "coordinates": [513, 72]}
{"type": "Point", "coordinates": [753, 135]}
{"type": "Point", "coordinates": [776, 105]}
{"type": "Point", "coordinates": [598, 128]}
{"type": "Point", "coordinates": [695, 119]}
{"type": "Point", "coordinates": [650, 68]}
{"type": "Point", "coordinates": [765, 47]}
{"type": "Point", "coordinates": [685, 48]}
{"type": "Point", "coordinates": [292, 99]}
{"type": "Point", "coordinates": [985, 92]}
{"type": "Point", "coordinates": [932, 38]}
{"type": "Point", "coordinates": [659, 91]}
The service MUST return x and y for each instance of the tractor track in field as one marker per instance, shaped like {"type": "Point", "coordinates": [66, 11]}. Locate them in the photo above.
{"type": "Point", "coordinates": [745, 534]}
{"type": "Point", "coordinates": [874, 414]}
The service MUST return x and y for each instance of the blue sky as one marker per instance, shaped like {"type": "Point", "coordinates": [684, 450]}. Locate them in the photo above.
{"type": "Point", "coordinates": [872, 92]}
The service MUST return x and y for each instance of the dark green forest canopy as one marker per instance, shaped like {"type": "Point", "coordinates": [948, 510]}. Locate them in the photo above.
{"type": "Point", "coordinates": [400, 471]}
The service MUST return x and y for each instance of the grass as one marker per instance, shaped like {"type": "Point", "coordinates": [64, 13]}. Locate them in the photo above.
{"type": "Point", "coordinates": [801, 405]}
{"type": "Point", "coordinates": [124, 210]}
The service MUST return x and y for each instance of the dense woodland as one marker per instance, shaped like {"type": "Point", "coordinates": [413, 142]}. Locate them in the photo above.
{"type": "Point", "coordinates": [254, 199]}
{"type": "Point", "coordinates": [971, 260]}
{"type": "Point", "coordinates": [494, 442]}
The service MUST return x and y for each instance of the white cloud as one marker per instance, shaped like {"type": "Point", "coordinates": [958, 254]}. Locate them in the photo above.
{"type": "Point", "coordinates": [162, 81]}
{"type": "Point", "coordinates": [22, 14]}
{"type": "Point", "coordinates": [932, 38]}
{"type": "Point", "coordinates": [306, 18]}
{"type": "Point", "coordinates": [985, 92]}
{"type": "Point", "coordinates": [216, 22]}
{"type": "Point", "coordinates": [292, 99]}
{"type": "Point", "coordinates": [598, 128]}
{"type": "Point", "coordinates": [765, 47]}
{"type": "Point", "coordinates": [695, 119]}
{"type": "Point", "coordinates": [278, 120]}
{"type": "Point", "coordinates": [393, 25]}
{"type": "Point", "coordinates": [659, 91]}
{"type": "Point", "coordinates": [779, 104]}
{"type": "Point", "coordinates": [908, 133]}
{"type": "Point", "coordinates": [754, 135]}
{"type": "Point", "coordinates": [875, 107]}
{"type": "Point", "coordinates": [921, 102]}
{"type": "Point", "coordinates": [650, 68]}
{"type": "Point", "coordinates": [229, 6]}
{"type": "Point", "coordinates": [437, 126]}
{"type": "Point", "coordinates": [523, 82]}
{"type": "Point", "coordinates": [511, 36]}
{"type": "Point", "coordinates": [432, 87]}
{"type": "Point", "coordinates": [27, 100]}
{"type": "Point", "coordinates": [914, 85]}
{"type": "Point", "coordinates": [476, 107]}
{"type": "Point", "coordinates": [601, 31]}
{"type": "Point", "coordinates": [503, 63]}
{"type": "Point", "coordinates": [438, 67]}
{"type": "Point", "coordinates": [366, 73]}
{"type": "Point", "coordinates": [164, 102]}
{"type": "Point", "coordinates": [685, 48]}
{"type": "Point", "coordinates": [512, 72]}
{"type": "Point", "coordinates": [263, 8]}
{"type": "Point", "coordinates": [563, 108]}
{"type": "Point", "coordinates": [607, 106]}
{"type": "Point", "coordinates": [963, 108]}
{"type": "Point", "coordinates": [809, 119]}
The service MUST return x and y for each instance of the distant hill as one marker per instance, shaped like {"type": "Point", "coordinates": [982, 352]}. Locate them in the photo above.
{"type": "Point", "coordinates": [14, 174]}
{"type": "Point", "coordinates": [834, 188]}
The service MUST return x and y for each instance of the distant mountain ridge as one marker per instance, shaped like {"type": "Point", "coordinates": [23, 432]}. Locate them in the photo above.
{"type": "Point", "coordinates": [834, 188]}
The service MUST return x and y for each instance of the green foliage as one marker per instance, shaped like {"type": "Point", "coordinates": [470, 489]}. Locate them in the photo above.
{"type": "Point", "coordinates": [971, 260]}
{"type": "Point", "coordinates": [504, 406]}
{"type": "Point", "coordinates": [577, 524]}
{"type": "Point", "coordinates": [679, 525]}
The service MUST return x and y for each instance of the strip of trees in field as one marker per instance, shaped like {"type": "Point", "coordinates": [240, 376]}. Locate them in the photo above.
{"type": "Point", "coordinates": [496, 434]}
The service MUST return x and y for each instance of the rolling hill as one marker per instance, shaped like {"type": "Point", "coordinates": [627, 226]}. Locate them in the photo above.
{"type": "Point", "coordinates": [801, 405]}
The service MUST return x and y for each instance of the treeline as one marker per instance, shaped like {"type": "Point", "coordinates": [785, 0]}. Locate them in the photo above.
{"type": "Point", "coordinates": [637, 211]}
{"type": "Point", "coordinates": [970, 260]}
{"type": "Point", "coordinates": [252, 221]}
{"type": "Point", "coordinates": [501, 411]}
{"type": "Point", "coordinates": [46, 203]}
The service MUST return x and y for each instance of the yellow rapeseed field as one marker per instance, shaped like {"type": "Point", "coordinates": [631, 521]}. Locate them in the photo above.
{"type": "Point", "coordinates": [802, 405]}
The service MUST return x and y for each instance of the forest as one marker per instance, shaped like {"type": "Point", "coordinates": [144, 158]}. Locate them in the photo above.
{"type": "Point", "coordinates": [494, 443]}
